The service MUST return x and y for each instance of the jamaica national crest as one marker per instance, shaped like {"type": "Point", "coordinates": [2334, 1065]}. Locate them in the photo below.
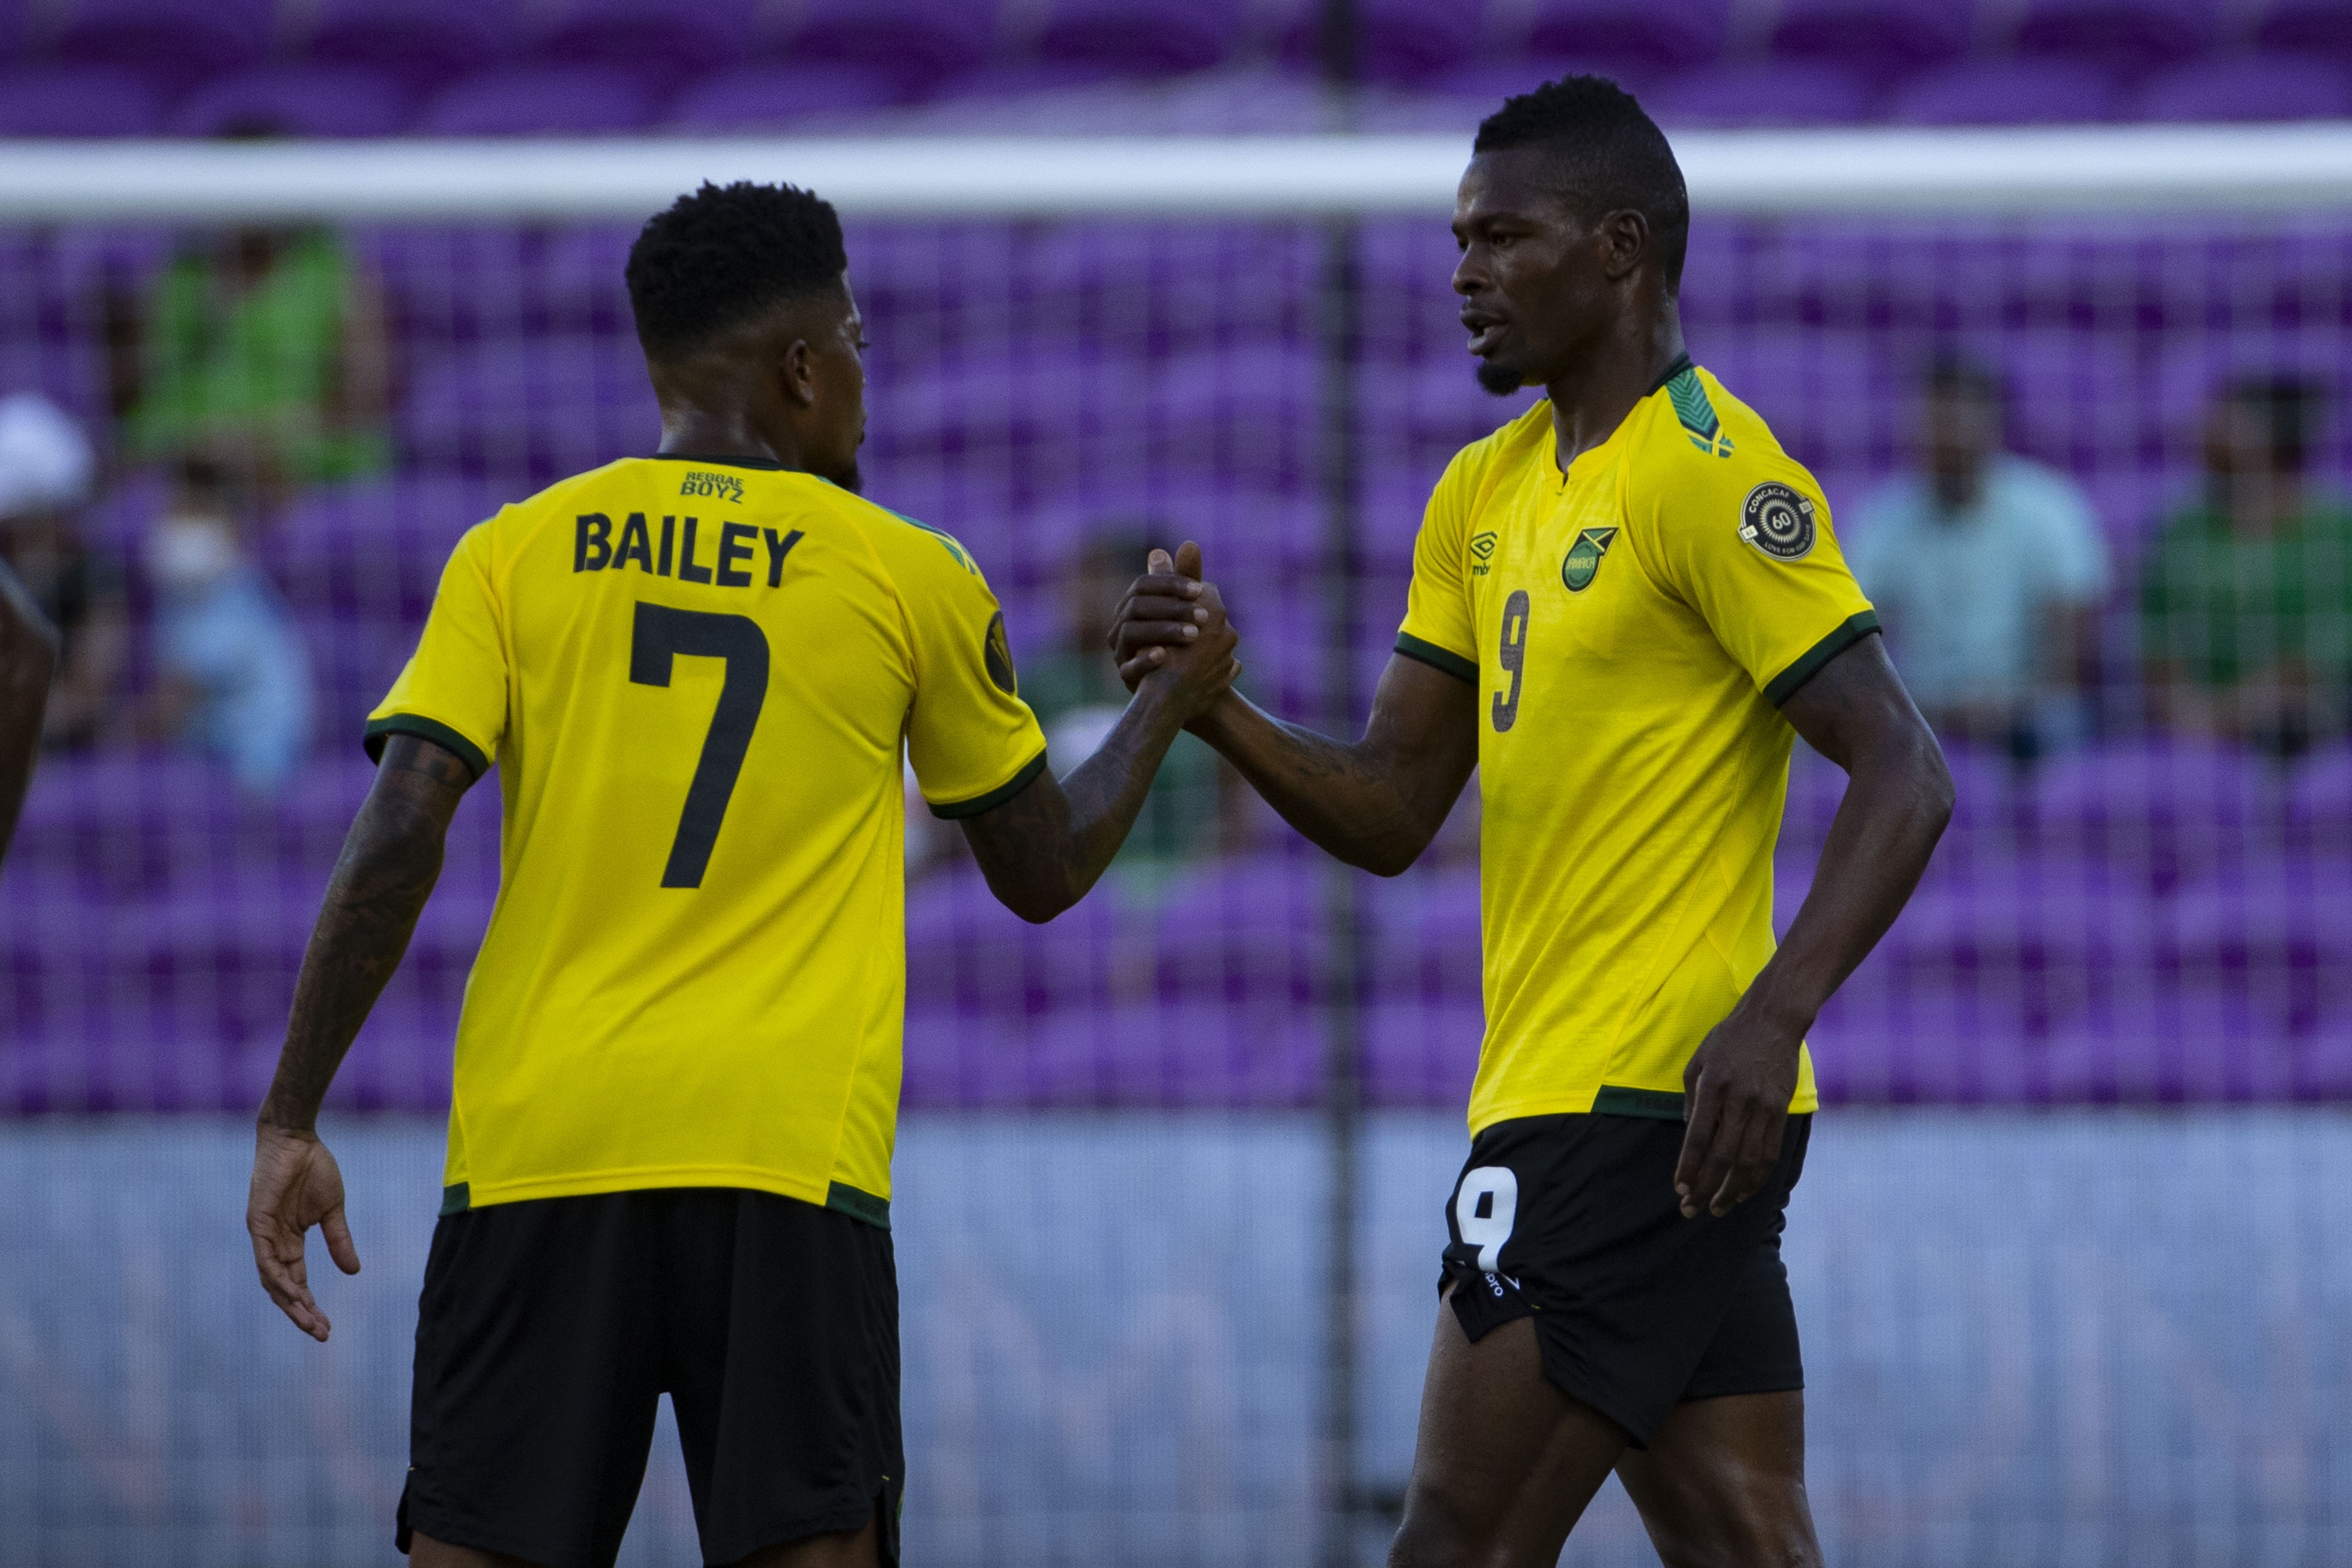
{"type": "Point", "coordinates": [1583, 562]}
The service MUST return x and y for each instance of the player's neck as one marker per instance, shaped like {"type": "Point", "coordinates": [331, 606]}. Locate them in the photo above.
{"type": "Point", "coordinates": [700, 433]}
{"type": "Point", "coordinates": [1591, 399]}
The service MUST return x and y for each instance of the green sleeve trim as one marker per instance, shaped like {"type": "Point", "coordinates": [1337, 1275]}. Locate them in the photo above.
{"type": "Point", "coordinates": [846, 1199]}
{"type": "Point", "coordinates": [1852, 631]}
{"type": "Point", "coordinates": [423, 728]}
{"type": "Point", "coordinates": [456, 1199]}
{"type": "Point", "coordinates": [1658, 1104]}
{"type": "Point", "coordinates": [997, 796]}
{"type": "Point", "coordinates": [1437, 658]}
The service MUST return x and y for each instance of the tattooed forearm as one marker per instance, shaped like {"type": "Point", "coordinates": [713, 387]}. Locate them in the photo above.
{"type": "Point", "coordinates": [388, 864]}
{"type": "Point", "coordinates": [1044, 849]}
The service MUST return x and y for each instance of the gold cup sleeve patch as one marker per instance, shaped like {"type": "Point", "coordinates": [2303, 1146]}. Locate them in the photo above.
{"type": "Point", "coordinates": [1777, 519]}
{"type": "Point", "coordinates": [997, 653]}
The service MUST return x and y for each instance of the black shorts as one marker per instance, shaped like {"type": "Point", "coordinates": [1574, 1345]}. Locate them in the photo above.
{"type": "Point", "coordinates": [1573, 1220]}
{"type": "Point", "coordinates": [548, 1331]}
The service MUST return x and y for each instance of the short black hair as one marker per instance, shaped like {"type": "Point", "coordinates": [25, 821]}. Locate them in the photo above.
{"type": "Point", "coordinates": [720, 257]}
{"type": "Point", "coordinates": [1614, 153]}
{"type": "Point", "coordinates": [1949, 374]}
{"type": "Point", "coordinates": [2288, 407]}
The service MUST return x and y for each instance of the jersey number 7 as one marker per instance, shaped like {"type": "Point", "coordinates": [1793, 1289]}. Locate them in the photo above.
{"type": "Point", "coordinates": [659, 634]}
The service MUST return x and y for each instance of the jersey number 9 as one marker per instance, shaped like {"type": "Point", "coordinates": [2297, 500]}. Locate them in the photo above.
{"type": "Point", "coordinates": [1513, 657]}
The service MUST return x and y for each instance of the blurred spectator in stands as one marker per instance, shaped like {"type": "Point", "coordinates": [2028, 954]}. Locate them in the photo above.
{"type": "Point", "coordinates": [1076, 692]}
{"type": "Point", "coordinates": [234, 677]}
{"type": "Point", "coordinates": [2246, 597]}
{"type": "Point", "coordinates": [46, 474]}
{"type": "Point", "coordinates": [1987, 570]}
{"type": "Point", "coordinates": [261, 352]}
{"type": "Point", "coordinates": [28, 662]}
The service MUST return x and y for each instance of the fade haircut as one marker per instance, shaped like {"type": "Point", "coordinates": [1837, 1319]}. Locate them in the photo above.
{"type": "Point", "coordinates": [1612, 155]}
{"type": "Point", "coordinates": [726, 255]}
{"type": "Point", "coordinates": [2288, 407]}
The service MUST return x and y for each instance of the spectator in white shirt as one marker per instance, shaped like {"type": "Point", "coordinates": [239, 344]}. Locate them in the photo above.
{"type": "Point", "coordinates": [1988, 570]}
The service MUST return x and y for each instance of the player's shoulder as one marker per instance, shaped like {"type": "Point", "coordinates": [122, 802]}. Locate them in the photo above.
{"type": "Point", "coordinates": [1701, 448]}
{"type": "Point", "coordinates": [907, 546]}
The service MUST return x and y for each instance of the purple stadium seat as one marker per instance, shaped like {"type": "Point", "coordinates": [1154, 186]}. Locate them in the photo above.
{"type": "Point", "coordinates": [919, 43]}
{"type": "Point", "coordinates": [658, 38]}
{"type": "Point", "coordinates": [1744, 93]}
{"type": "Point", "coordinates": [2275, 86]}
{"type": "Point", "coordinates": [78, 100]}
{"type": "Point", "coordinates": [2160, 811]}
{"type": "Point", "coordinates": [1421, 1054]}
{"type": "Point", "coordinates": [543, 406]}
{"type": "Point", "coordinates": [2130, 36]}
{"type": "Point", "coordinates": [2319, 801]}
{"type": "Point", "coordinates": [2306, 25]}
{"type": "Point", "coordinates": [296, 101]}
{"type": "Point", "coordinates": [1247, 931]}
{"type": "Point", "coordinates": [1426, 933]}
{"type": "Point", "coordinates": [766, 97]}
{"type": "Point", "coordinates": [2006, 93]}
{"type": "Point", "coordinates": [1649, 38]}
{"type": "Point", "coordinates": [1141, 37]}
{"type": "Point", "coordinates": [176, 41]}
{"type": "Point", "coordinates": [424, 42]}
{"type": "Point", "coordinates": [1398, 41]}
{"type": "Point", "coordinates": [542, 101]}
{"type": "Point", "coordinates": [1881, 38]}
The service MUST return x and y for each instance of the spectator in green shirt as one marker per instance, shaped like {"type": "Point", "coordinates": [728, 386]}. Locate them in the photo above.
{"type": "Point", "coordinates": [2246, 597]}
{"type": "Point", "coordinates": [261, 354]}
{"type": "Point", "coordinates": [1076, 693]}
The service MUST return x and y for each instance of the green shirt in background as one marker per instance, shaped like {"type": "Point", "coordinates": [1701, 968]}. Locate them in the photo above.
{"type": "Point", "coordinates": [255, 369]}
{"type": "Point", "coordinates": [1073, 695]}
{"type": "Point", "coordinates": [2225, 607]}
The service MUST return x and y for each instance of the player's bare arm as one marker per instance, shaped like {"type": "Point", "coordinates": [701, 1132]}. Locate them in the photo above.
{"type": "Point", "coordinates": [1376, 802]}
{"type": "Point", "coordinates": [390, 861]}
{"type": "Point", "coordinates": [1899, 797]}
{"type": "Point", "coordinates": [1045, 848]}
{"type": "Point", "coordinates": [28, 662]}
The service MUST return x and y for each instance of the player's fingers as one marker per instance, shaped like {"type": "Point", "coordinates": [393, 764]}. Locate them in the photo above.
{"type": "Point", "coordinates": [1142, 664]}
{"type": "Point", "coordinates": [1698, 1137]}
{"type": "Point", "coordinates": [1188, 557]}
{"type": "Point", "coordinates": [1152, 607]}
{"type": "Point", "coordinates": [1155, 634]}
{"type": "Point", "coordinates": [1159, 562]}
{"type": "Point", "coordinates": [1756, 1151]}
{"type": "Point", "coordinates": [340, 1246]}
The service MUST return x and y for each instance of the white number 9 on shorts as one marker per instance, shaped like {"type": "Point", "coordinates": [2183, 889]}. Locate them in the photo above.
{"type": "Point", "coordinates": [1485, 1206]}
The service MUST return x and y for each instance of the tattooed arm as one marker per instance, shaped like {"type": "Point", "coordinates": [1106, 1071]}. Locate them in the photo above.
{"type": "Point", "coordinates": [1042, 850]}
{"type": "Point", "coordinates": [388, 864]}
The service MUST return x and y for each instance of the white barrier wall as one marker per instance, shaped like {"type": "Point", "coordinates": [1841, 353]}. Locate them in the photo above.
{"type": "Point", "coordinates": [2032, 1339]}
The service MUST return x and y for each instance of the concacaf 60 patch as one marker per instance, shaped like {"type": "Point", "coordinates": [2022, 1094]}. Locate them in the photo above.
{"type": "Point", "coordinates": [1777, 519]}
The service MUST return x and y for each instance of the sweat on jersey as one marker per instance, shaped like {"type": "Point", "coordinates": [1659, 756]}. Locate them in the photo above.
{"type": "Point", "coordinates": [1631, 626]}
{"type": "Point", "coordinates": [697, 675]}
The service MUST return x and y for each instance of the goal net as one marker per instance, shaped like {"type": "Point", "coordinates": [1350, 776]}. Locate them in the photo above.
{"type": "Point", "coordinates": [1173, 1167]}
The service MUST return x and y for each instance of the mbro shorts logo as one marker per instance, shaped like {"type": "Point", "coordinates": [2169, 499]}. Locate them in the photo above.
{"type": "Point", "coordinates": [1778, 521]}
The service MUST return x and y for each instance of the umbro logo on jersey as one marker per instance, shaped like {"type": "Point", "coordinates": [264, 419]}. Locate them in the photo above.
{"type": "Point", "coordinates": [726, 486]}
{"type": "Point", "coordinates": [1583, 562]}
{"type": "Point", "coordinates": [1778, 521]}
{"type": "Point", "coordinates": [1482, 547]}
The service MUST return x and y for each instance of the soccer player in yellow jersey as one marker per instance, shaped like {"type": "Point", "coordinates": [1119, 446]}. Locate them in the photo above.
{"type": "Point", "coordinates": [677, 1063]}
{"type": "Point", "coordinates": [1624, 605]}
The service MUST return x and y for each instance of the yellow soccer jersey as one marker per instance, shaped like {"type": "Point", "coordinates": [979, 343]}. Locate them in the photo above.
{"type": "Point", "coordinates": [697, 676]}
{"type": "Point", "coordinates": [1630, 626]}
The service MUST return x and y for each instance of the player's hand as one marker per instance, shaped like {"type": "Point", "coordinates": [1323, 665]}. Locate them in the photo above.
{"type": "Point", "coordinates": [1166, 608]}
{"type": "Point", "coordinates": [296, 1184]}
{"type": "Point", "coordinates": [1171, 628]}
{"type": "Point", "coordinates": [1736, 1093]}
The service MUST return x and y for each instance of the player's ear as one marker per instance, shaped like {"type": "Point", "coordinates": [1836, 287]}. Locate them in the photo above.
{"type": "Point", "coordinates": [1625, 242]}
{"type": "Point", "coordinates": [797, 372]}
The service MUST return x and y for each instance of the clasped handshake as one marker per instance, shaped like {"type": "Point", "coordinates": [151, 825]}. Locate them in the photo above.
{"type": "Point", "coordinates": [1172, 627]}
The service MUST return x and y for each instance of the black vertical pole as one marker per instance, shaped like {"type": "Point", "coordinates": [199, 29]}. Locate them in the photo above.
{"type": "Point", "coordinates": [1338, 332]}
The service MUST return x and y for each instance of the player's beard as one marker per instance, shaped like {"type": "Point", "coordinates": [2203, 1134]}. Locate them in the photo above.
{"type": "Point", "coordinates": [1500, 380]}
{"type": "Point", "coordinates": [850, 479]}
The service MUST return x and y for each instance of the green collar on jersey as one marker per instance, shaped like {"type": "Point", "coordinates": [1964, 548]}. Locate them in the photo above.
{"type": "Point", "coordinates": [728, 462]}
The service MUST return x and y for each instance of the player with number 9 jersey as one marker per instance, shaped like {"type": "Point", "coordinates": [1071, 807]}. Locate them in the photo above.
{"type": "Point", "coordinates": [695, 676]}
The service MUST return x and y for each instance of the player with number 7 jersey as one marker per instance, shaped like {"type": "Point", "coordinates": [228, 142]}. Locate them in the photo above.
{"type": "Point", "coordinates": [677, 1077]}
